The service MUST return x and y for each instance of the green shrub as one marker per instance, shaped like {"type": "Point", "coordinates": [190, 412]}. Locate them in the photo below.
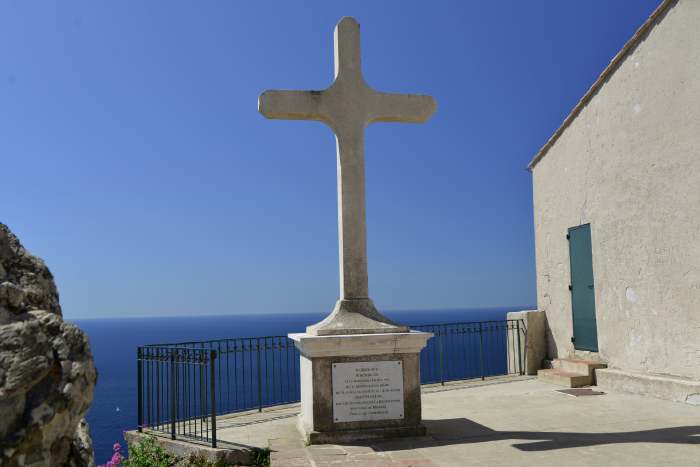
{"type": "Point", "coordinates": [148, 453]}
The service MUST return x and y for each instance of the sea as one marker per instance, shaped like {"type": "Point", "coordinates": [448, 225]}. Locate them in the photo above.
{"type": "Point", "coordinates": [114, 341]}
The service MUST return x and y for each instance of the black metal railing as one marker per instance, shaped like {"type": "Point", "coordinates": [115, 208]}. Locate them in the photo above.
{"type": "Point", "coordinates": [177, 391]}
{"type": "Point", "coordinates": [183, 387]}
{"type": "Point", "coordinates": [472, 350]}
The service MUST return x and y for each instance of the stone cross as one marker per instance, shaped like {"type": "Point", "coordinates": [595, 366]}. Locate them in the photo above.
{"type": "Point", "coordinates": [348, 106]}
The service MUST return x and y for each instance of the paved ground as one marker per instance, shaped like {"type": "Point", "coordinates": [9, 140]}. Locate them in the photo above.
{"type": "Point", "coordinates": [523, 422]}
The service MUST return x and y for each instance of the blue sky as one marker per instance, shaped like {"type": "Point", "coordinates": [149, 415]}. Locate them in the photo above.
{"type": "Point", "coordinates": [135, 163]}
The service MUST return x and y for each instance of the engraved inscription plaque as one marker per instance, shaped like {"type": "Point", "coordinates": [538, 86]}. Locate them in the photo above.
{"type": "Point", "coordinates": [367, 391]}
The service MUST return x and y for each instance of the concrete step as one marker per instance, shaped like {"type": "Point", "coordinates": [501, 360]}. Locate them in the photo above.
{"type": "Point", "coordinates": [582, 367]}
{"type": "Point", "coordinates": [564, 378]}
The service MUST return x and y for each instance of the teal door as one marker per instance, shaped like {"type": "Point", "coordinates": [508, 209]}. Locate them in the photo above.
{"type": "Point", "coordinates": [582, 292]}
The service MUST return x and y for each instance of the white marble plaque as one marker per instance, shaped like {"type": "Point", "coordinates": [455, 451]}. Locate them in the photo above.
{"type": "Point", "coordinates": [368, 391]}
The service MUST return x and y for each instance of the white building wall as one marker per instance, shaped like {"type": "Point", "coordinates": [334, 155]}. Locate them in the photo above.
{"type": "Point", "coordinates": [629, 165]}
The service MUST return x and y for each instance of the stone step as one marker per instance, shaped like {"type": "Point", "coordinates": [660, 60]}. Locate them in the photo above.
{"type": "Point", "coordinates": [582, 367]}
{"type": "Point", "coordinates": [564, 378]}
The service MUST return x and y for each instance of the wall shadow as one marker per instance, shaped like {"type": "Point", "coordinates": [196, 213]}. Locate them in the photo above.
{"type": "Point", "coordinates": [465, 431]}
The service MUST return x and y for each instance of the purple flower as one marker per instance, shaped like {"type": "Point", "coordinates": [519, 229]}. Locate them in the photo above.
{"type": "Point", "coordinates": [115, 461]}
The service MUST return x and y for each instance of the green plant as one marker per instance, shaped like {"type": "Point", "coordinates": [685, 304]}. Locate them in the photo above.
{"type": "Point", "coordinates": [148, 453]}
{"type": "Point", "coordinates": [261, 457]}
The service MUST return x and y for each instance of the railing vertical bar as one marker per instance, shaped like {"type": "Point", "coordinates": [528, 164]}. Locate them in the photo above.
{"type": "Point", "coordinates": [212, 358]}
{"type": "Point", "coordinates": [250, 366]}
{"type": "Point", "coordinates": [149, 418]}
{"type": "Point", "coordinates": [280, 384]}
{"type": "Point", "coordinates": [200, 369]}
{"type": "Point", "coordinates": [164, 399]}
{"type": "Point", "coordinates": [267, 367]}
{"type": "Point", "coordinates": [270, 380]}
{"type": "Point", "coordinates": [198, 383]}
{"type": "Point", "coordinates": [278, 354]}
{"type": "Point", "coordinates": [186, 392]}
{"type": "Point", "coordinates": [440, 343]}
{"type": "Point", "coordinates": [235, 375]}
{"type": "Point", "coordinates": [207, 398]}
{"type": "Point", "coordinates": [259, 378]}
{"type": "Point", "coordinates": [481, 350]}
{"type": "Point", "coordinates": [154, 390]}
{"type": "Point", "coordinates": [177, 412]}
{"type": "Point", "coordinates": [218, 372]}
{"type": "Point", "coordinates": [179, 394]}
{"type": "Point", "coordinates": [228, 378]}
{"type": "Point", "coordinates": [172, 395]}
{"type": "Point", "coordinates": [191, 395]}
{"type": "Point", "coordinates": [157, 376]}
{"type": "Point", "coordinates": [464, 372]}
{"type": "Point", "coordinates": [285, 375]}
{"type": "Point", "coordinates": [139, 385]}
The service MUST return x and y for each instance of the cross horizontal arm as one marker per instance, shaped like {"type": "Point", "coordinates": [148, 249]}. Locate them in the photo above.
{"type": "Point", "coordinates": [291, 105]}
{"type": "Point", "coordinates": [412, 108]}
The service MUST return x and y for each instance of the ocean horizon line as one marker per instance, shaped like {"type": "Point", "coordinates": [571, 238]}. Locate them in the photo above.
{"type": "Point", "coordinates": [287, 313]}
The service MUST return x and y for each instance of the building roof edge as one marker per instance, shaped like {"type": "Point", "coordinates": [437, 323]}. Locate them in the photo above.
{"type": "Point", "coordinates": [604, 75]}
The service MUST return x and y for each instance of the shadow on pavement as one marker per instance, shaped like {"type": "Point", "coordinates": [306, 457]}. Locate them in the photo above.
{"type": "Point", "coordinates": [465, 431]}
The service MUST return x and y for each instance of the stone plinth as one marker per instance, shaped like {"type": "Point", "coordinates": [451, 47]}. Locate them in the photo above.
{"type": "Point", "coordinates": [360, 386]}
{"type": "Point", "coordinates": [533, 346]}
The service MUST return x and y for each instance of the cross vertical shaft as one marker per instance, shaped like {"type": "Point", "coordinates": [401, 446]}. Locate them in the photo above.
{"type": "Point", "coordinates": [348, 106]}
{"type": "Point", "coordinates": [352, 228]}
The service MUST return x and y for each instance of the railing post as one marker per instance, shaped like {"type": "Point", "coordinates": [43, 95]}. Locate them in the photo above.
{"type": "Point", "coordinates": [259, 378]}
{"type": "Point", "coordinates": [212, 358]}
{"type": "Point", "coordinates": [139, 384]}
{"type": "Point", "coordinates": [481, 350]}
{"type": "Point", "coordinates": [173, 417]}
{"type": "Point", "coordinates": [442, 378]}
{"type": "Point", "coordinates": [520, 357]}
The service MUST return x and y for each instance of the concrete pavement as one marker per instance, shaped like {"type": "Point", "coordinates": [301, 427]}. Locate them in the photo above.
{"type": "Point", "coordinates": [503, 421]}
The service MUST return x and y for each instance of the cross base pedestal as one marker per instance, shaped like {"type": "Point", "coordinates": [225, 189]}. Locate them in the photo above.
{"type": "Point", "coordinates": [351, 436]}
{"type": "Point", "coordinates": [355, 316]}
{"type": "Point", "coordinates": [360, 386]}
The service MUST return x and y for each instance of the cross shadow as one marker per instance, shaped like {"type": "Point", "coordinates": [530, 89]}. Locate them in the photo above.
{"type": "Point", "coordinates": [465, 431]}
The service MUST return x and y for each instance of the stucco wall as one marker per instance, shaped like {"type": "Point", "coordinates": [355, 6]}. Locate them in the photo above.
{"type": "Point", "coordinates": [629, 165]}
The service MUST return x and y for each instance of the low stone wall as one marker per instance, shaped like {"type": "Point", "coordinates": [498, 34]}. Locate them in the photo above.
{"type": "Point", "coordinates": [534, 347]}
{"type": "Point", "coordinates": [659, 386]}
{"type": "Point", "coordinates": [187, 449]}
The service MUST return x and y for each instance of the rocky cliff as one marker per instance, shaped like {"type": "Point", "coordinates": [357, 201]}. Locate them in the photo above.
{"type": "Point", "coordinates": [47, 374]}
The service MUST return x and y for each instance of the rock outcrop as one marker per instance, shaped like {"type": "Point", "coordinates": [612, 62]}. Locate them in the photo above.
{"type": "Point", "coordinates": [47, 375]}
